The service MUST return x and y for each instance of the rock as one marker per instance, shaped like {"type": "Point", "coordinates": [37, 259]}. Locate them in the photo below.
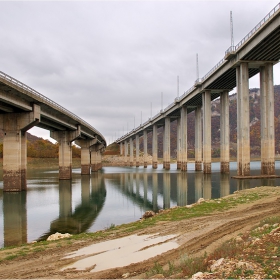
{"type": "Point", "coordinates": [125, 275]}
{"type": "Point", "coordinates": [216, 264]}
{"type": "Point", "coordinates": [238, 239]}
{"type": "Point", "coordinates": [189, 206]}
{"type": "Point", "coordinates": [148, 214]}
{"type": "Point", "coordinates": [198, 275]}
{"type": "Point", "coordinates": [201, 200]}
{"type": "Point", "coordinates": [157, 276]}
{"type": "Point", "coordinates": [256, 241]}
{"type": "Point", "coordinates": [58, 235]}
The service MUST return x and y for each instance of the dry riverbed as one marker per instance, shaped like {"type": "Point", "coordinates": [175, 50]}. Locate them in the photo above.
{"type": "Point", "coordinates": [194, 232]}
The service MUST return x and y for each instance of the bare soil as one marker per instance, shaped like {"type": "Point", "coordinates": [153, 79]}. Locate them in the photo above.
{"type": "Point", "coordinates": [196, 236]}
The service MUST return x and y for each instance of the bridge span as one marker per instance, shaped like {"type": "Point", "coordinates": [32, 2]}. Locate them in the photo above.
{"type": "Point", "coordinates": [256, 53]}
{"type": "Point", "coordinates": [21, 108]}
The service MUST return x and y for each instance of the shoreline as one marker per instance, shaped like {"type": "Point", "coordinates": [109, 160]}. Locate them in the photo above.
{"type": "Point", "coordinates": [201, 227]}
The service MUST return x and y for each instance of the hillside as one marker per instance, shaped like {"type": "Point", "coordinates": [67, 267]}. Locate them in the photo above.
{"type": "Point", "coordinates": [38, 147]}
{"type": "Point", "coordinates": [215, 124]}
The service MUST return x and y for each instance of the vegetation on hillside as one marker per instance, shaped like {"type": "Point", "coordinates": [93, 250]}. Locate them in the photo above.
{"type": "Point", "coordinates": [255, 127]}
{"type": "Point", "coordinates": [41, 148]}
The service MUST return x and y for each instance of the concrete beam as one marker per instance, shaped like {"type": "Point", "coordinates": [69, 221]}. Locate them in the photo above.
{"type": "Point", "coordinates": [11, 99]}
{"type": "Point", "coordinates": [58, 120]}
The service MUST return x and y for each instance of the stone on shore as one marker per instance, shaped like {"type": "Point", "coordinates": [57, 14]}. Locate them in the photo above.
{"type": "Point", "coordinates": [58, 235]}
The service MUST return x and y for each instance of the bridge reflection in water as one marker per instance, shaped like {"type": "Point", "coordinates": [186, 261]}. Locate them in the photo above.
{"type": "Point", "coordinates": [111, 197]}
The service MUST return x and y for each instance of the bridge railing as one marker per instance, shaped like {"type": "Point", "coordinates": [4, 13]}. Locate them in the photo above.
{"type": "Point", "coordinates": [40, 97]}
{"type": "Point", "coordinates": [186, 93]}
{"type": "Point", "coordinates": [222, 61]}
{"type": "Point", "coordinates": [257, 27]}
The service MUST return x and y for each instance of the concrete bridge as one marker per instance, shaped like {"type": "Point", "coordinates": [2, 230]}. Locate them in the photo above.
{"type": "Point", "coordinates": [256, 53]}
{"type": "Point", "coordinates": [21, 108]}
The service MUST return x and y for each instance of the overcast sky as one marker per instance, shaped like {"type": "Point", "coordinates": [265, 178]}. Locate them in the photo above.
{"type": "Point", "coordinates": [111, 61]}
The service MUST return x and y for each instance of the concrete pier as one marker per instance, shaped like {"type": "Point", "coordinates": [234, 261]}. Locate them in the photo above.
{"type": "Point", "coordinates": [184, 148]}
{"type": "Point", "coordinates": [85, 154]}
{"type": "Point", "coordinates": [243, 120]}
{"type": "Point", "coordinates": [65, 139]}
{"type": "Point", "coordinates": [267, 120]}
{"type": "Point", "coordinates": [137, 150]}
{"type": "Point", "coordinates": [206, 103]}
{"type": "Point", "coordinates": [163, 146]}
{"type": "Point", "coordinates": [125, 153]}
{"type": "Point", "coordinates": [166, 145]}
{"type": "Point", "coordinates": [131, 149]}
{"type": "Point", "coordinates": [224, 132]}
{"type": "Point", "coordinates": [178, 143]}
{"type": "Point", "coordinates": [155, 146]}
{"type": "Point", "coordinates": [145, 136]}
{"type": "Point", "coordinates": [121, 149]}
{"type": "Point", "coordinates": [14, 126]}
{"type": "Point", "coordinates": [198, 139]}
{"type": "Point", "coordinates": [96, 158]}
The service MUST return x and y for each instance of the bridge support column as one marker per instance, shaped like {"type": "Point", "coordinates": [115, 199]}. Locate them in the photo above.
{"type": "Point", "coordinates": [243, 120]}
{"type": "Point", "coordinates": [125, 153]}
{"type": "Point", "coordinates": [131, 148]}
{"type": "Point", "coordinates": [137, 150]}
{"type": "Point", "coordinates": [155, 146]}
{"type": "Point", "coordinates": [267, 120]}
{"type": "Point", "coordinates": [121, 149]}
{"type": "Point", "coordinates": [14, 126]}
{"type": "Point", "coordinates": [96, 157]}
{"type": "Point", "coordinates": [167, 143]}
{"type": "Point", "coordinates": [163, 146]}
{"type": "Point", "coordinates": [178, 143]}
{"type": "Point", "coordinates": [206, 103]}
{"type": "Point", "coordinates": [198, 140]}
{"type": "Point", "coordinates": [184, 139]}
{"type": "Point", "coordinates": [65, 139]}
{"type": "Point", "coordinates": [85, 154]}
{"type": "Point", "coordinates": [224, 130]}
{"type": "Point", "coordinates": [145, 136]}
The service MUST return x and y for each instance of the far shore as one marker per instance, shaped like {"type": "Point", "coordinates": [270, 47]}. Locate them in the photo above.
{"type": "Point", "coordinates": [52, 163]}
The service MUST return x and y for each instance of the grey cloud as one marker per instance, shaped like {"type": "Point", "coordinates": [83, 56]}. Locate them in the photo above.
{"type": "Point", "coordinates": [107, 61]}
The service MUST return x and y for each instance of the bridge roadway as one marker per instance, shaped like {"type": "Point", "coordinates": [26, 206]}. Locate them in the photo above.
{"type": "Point", "coordinates": [256, 53]}
{"type": "Point", "coordinates": [21, 108]}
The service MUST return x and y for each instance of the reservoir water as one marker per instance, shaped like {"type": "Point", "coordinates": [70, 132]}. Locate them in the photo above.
{"type": "Point", "coordinates": [112, 196]}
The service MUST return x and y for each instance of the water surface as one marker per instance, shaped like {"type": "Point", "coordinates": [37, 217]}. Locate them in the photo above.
{"type": "Point", "coordinates": [112, 196]}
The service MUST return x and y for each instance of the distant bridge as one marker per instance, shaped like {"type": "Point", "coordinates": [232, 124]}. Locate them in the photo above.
{"type": "Point", "coordinates": [256, 53]}
{"type": "Point", "coordinates": [21, 108]}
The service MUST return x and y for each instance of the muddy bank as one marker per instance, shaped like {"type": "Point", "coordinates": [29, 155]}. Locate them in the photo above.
{"type": "Point", "coordinates": [194, 235]}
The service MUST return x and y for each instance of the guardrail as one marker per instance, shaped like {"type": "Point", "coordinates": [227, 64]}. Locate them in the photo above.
{"type": "Point", "coordinates": [258, 26]}
{"type": "Point", "coordinates": [40, 97]}
{"type": "Point", "coordinates": [231, 49]}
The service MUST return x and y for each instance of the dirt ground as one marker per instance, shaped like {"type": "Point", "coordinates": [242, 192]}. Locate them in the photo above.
{"type": "Point", "coordinates": [195, 237]}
